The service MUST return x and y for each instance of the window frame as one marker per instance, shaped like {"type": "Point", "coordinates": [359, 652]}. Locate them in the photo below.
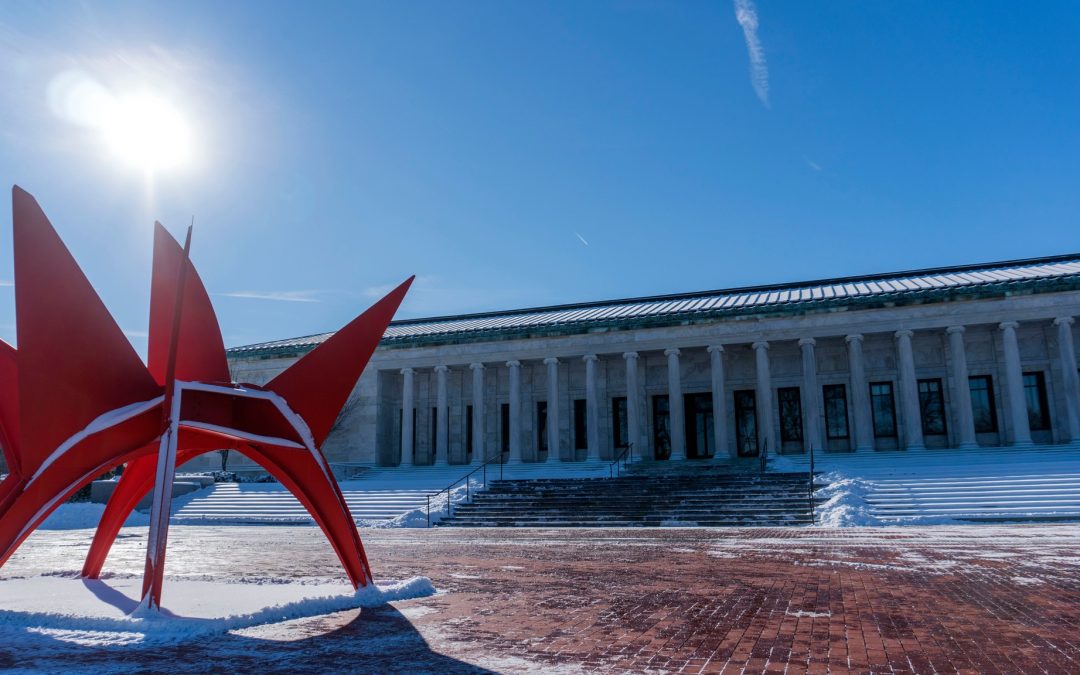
{"type": "Point", "coordinates": [581, 424]}
{"type": "Point", "coordinates": [923, 405]}
{"type": "Point", "coordinates": [842, 398]}
{"type": "Point", "coordinates": [793, 405]}
{"type": "Point", "coordinates": [892, 409]}
{"type": "Point", "coordinates": [990, 402]}
{"type": "Point", "coordinates": [1041, 398]}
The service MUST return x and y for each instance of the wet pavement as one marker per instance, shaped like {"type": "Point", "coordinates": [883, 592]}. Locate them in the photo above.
{"type": "Point", "coordinates": [986, 599]}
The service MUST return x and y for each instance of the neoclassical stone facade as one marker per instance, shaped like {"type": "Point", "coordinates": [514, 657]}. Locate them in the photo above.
{"type": "Point", "coordinates": [957, 357]}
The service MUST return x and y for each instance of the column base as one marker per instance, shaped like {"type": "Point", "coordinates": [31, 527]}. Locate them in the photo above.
{"type": "Point", "coordinates": [1021, 444]}
{"type": "Point", "coordinates": [865, 449]}
{"type": "Point", "coordinates": [968, 446]}
{"type": "Point", "coordinates": [677, 458]}
{"type": "Point", "coordinates": [915, 448]}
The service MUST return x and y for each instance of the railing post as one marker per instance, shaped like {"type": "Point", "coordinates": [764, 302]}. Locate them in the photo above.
{"type": "Point", "coordinates": [428, 510]}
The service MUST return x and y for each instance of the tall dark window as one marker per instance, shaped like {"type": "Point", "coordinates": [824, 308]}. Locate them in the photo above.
{"type": "Point", "coordinates": [661, 427]}
{"type": "Point", "coordinates": [700, 436]}
{"type": "Point", "coordinates": [468, 431]}
{"type": "Point", "coordinates": [746, 423]}
{"type": "Point", "coordinates": [883, 408]}
{"type": "Point", "coordinates": [581, 425]}
{"type": "Point", "coordinates": [504, 423]}
{"type": "Point", "coordinates": [1035, 393]}
{"type": "Point", "coordinates": [932, 407]}
{"type": "Point", "coordinates": [541, 426]}
{"type": "Point", "coordinates": [618, 421]}
{"type": "Point", "coordinates": [790, 414]}
{"type": "Point", "coordinates": [835, 399]}
{"type": "Point", "coordinates": [982, 404]}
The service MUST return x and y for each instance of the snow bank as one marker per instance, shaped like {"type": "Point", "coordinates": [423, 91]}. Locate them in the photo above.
{"type": "Point", "coordinates": [846, 504]}
{"type": "Point", "coordinates": [84, 515]}
{"type": "Point", "coordinates": [95, 612]}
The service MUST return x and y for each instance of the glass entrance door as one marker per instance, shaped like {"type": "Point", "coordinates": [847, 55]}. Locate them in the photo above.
{"type": "Point", "coordinates": [746, 423]}
{"type": "Point", "coordinates": [699, 426]}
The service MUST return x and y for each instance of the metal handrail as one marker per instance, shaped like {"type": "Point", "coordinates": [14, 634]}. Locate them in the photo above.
{"type": "Point", "coordinates": [449, 503]}
{"type": "Point", "coordinates": [764, 456]}
{"type": "Point", "coordinates": [810, 486]}
{"type": "Point", "coordinates": [615, 469]}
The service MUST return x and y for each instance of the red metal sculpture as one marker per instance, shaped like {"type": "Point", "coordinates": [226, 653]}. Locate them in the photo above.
{"type": "Point", "coordinates": [76, 400]}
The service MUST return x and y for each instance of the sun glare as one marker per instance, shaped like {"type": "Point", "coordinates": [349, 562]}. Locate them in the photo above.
{"type": "Point", "coordinates": [147, 132]}
{"type": "Point", "coordinates": [143, 129]}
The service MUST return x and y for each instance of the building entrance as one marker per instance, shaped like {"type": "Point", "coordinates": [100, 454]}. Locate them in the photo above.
{"type": "Point", "coordinates": [700, 440]}
{"type": "Point", "coordinates": [746, 423]}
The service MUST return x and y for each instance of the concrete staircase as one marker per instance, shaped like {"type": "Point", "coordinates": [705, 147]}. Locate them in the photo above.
{"type": "Point", "coordinates": [1040, 483]}
{"type": "Point", "coordinates": [703, 497]}
{"type": "Point", "coordinates": [379, 494]}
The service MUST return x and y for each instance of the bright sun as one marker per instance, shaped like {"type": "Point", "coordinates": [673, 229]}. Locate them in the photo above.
{"type": "Point", "coordinates": [147, 132]}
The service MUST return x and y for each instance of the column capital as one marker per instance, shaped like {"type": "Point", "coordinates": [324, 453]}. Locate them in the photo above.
{"type": "Point", "coordinates": [905, 333]}
{"type": "Point", "coordinates": [476, 366]}
{"type": "Point", "coordinates": [760, 344]}
{"type": "Point", "coordinates": [441, 369]}
{"type": "Point", "coordinates": [1006, 325]}
{"type": "Point", "coordinates": [590, 357]}
{"type": "Point", "coordinates": [854, 337]}
{"type": "Point", "coordinates": [407, 371]}
{"type": "Point", "coordinates": [715, 348]}
{"type": "Point", "coordinates": [803, 342]}
{"type": "Point", "coordinates": [1064, 320]}
{"type": "Point", "coordinates": [630, 355]}
{"type": "Point", "coordinates": [954, 329]}
{"type": "Point", "coordinates": [672, 351]}
{"type": "Point", "coordinates": [513, 364]}
{"type": "Point", "coordinates": [551, 361]}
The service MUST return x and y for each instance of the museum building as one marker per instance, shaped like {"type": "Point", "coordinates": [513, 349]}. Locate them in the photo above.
{"type": "Point", "coordinates": [956, 357]}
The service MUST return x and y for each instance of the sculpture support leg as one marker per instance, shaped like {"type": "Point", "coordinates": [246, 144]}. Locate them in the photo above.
{"type": "Point", "coordinates": [160, 511]}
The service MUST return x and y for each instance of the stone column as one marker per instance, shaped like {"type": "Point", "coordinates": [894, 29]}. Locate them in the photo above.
{"type": "Point", "coordinates": [766, 435]}
{"type": "Point", "coordinates": [1067, 353]}
{"type": "Point", "coordinates": [961, 389]}
{"type": "Point", "coordinates": [479, 449]}
{"type": "Point", "coordinates": [407, 430]}
{"type": "Point", "coordinates": [553, 407]}
{"type": "Point", "coordinates": [909, 392]}
{"type": "Point", "coordinates": [442, 418]}
{"type": "Point", "coordinates": [811, 396]}
{"type": "Point", "coordinates": [719, 409]}
{"type": "Point", "coordinates": [592, 410]}
{"type": "Point", "coordinates": [515, 412]}
{"type": "Point", "coordinates": [860, 395]}
{"type": "Point", "coordinates": [633, 404]}
{"type": "Point", "coordinates": [1014, 383]}
{"type": "Point", "coordinates": [676, 413]}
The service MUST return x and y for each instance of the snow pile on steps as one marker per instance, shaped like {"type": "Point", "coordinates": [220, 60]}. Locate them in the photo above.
{"type": "Point", "coordinates": [845, 502]}
{"type": "Point", "coordinates": [46, 611]}
{"type": "Point", "coordinates": [946, 486]}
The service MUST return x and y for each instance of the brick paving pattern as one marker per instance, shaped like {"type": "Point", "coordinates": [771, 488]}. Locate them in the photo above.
{"type": "Point", "coordinates": [976, 599]}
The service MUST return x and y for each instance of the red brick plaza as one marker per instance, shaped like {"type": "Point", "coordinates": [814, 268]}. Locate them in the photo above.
{"type": "Point", "coordinates": [986, 599]}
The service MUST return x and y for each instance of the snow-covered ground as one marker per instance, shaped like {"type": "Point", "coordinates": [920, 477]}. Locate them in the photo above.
{"type": "Point", "coordinates": [57, 610]}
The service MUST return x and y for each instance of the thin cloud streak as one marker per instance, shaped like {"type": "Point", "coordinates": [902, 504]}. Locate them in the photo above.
{"type": "Point", "coordinates": [746, 15]}
{"type": "Point", "coordinates": [280, 296]}
{"type": "Point", "coordinates": [581, 238]}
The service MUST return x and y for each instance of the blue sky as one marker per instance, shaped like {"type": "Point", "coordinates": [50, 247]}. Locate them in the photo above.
{"type": "Point", "coordinates": [526, 153]}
